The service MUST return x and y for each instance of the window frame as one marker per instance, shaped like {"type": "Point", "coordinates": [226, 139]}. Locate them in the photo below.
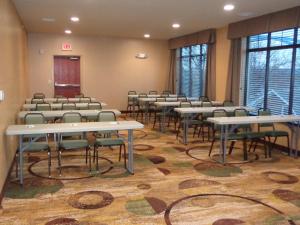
{"type": "Point", "coordinates": [268, 50]}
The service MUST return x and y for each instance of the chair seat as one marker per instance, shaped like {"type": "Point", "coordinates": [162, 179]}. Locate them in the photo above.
{"type": "Point", "coordinates": [109, 141]}
{"type": "Point", "coordinates": [194, 122]}
{"type": "Point", "coordinates": [253, 135]}
{"type": "Point", "coordinates": [232, 137]}
{"type": "Point", "coordinates": [73, 144]}
{"type": "Point", "coordinates": [36, 146]}
{"type": "Point", "coordinates": [276, 133]}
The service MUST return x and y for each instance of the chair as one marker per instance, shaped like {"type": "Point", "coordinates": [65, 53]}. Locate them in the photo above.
{"type": "Point", "coordinates": [182, 99]}
{"type": "Point", "coordinates": [228, 103]}
{"type": "Point", "coordinates": [141, 105]}
{"type": "Point", "coordinates": [74, 140]}
{"type": "Point", "coordinates": [105, 139]}
{"type": "Point", "coordinates": [233, 137]}
{"type": "Point", "coordinates": [271, 133]}
{"type": "Point", "coordinates": [37, 100]}
{"type": "Point", "coordinates": [152, 92]}
{"type": "Point", "coordinates": [205, 123]}
{"type": "Point", "coordinates": [131, 103]}
{"type": "Point", "coordinates": [43, 107]}
{"type": "Point", "coordinates": [93, 106]}
{"type": "Point", "coordinates": [203, 99]}
{"type": "Point", "coordinates": [81, 95]}
{"type": "Point", "coordinates": [157, 111]}
{"type": "Point", "coordinates": [166, 92]}
{"type": "Point", "coordinates": [247, 131]}
{"type": "Point", "coordinates": [61, 100]}
{"type": "Point", "coordinates": [69, 106]}
{"type": "Point", "coordinates": [85, 100]}
{"type": "Point", "coordinates": [39, 95]}
{"type": "Point", "coordinates": [41, 142]}
{"type": "Point", "coordinates": [58, 96]}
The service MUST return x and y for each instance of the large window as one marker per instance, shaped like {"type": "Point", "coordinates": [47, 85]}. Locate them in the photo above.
{"type": "Point", "coordinates": [273, 72]}
{"type": "Point", "coordinates": [192, 63]}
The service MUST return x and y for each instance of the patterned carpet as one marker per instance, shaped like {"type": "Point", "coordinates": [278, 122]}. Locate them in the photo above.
{"type": "Point", "coordinates": [173, 184]}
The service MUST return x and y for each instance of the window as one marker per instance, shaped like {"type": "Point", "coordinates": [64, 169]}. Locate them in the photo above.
{"type": "Point", "coordinates": [192, 62]}
{"type": "Point", "coordinates": [272, 77]}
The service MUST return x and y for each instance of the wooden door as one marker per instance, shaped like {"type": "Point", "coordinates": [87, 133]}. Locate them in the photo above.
{"type": "Point", "coordinates": [67, 76]}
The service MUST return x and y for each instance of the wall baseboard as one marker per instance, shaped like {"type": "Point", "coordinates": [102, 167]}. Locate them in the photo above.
{"type": "Point", "coordinates": [6, 182]}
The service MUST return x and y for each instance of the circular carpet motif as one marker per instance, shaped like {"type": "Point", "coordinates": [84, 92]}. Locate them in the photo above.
{"type": "Point", "coordinates": [280, 178]}
{"type": "Point", "coordinates": [143, 147]}
{"type": "Point", "coordinates": [90, 200]}
{"type": "Point", "coordinates": [288, 196]}
{"type": "Point", "coordinates": [32, 187]}
{"type": "Point", "coordinates": [236, 158]}
{"type": "Point", "coordinates": [156, 159]}
{"type": "Point", "coordinates": [63, 221]}
{"type": "Point", "coordinates": [73, 167]}
{"type": "Point", "coordinates": [223, 209]}
{"type": "Point", "coordinates": [164, 171]}
{"type": "Point", "coordinates": [217, 169]}
{"type": "Point", "coordinates": [144, 186]}
{"type": "Point", "coordinates": [147, 206]}
{"type": "Point", "coordinates": [194, 183]}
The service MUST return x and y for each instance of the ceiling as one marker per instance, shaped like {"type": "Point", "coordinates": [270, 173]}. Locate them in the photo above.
{"type": "Point", "coordinates": [134, 18]}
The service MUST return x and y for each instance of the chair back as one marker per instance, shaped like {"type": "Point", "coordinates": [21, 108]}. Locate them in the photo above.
{"type": "Point", "coordinates": [219, 113]}
{"type": "Point", "coordinates": [160, 99]}
{"type": "Point", "coordinates": [228, 103]}
{"type": "Point", "coordinates": [71, 117]}
{"type": "Point", "coordinates": [69, 106]}
{"type": "Point", "coordinates": [94, 105]}
{"type": "Point", "coordinates": [61, 100]}
{"type": "Point", "coordinates": [37, 100]}
{"type": "Point", "coordinates": [79, 96]}
{"type": "Point", "coordinates": [182, 99]}
{"type": "Point", "coordinates": [43, 107]}
{"type": "Point", "coordinates": [85, 100]}
{"type": "Point", "coordinates": [143, 95]}
{"type": "Point", "coordinates": [34, 118]}
{"type": "Point", "coordinates": [106, 116]}
{"type": "Point", "coordinates": [58, 96]}
{"type": "Point", "coordinates": [206, 104]}
{"type": "Point", "coordinates": [166, 92]}
{"type": "Point", "coordinates": [267, 112]}
{"type": "Point", "coordinates": [241, 113]}
{"type": "Point", "coordinates": [152, 92]}
{"type": "Point", "coordinates": [203, 99]}
{"type": "Point", "coordinates": [131, 92]}
{"type": "Point", "coordinates": [185, 104]}
{"type": "Point", "coordinates": [39, 95]}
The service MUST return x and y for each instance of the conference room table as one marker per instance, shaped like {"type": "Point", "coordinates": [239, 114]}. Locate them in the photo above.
{"type": "Point", "coordinates": [166, 107]}
{"type": "Point", "coordinates": [58, 128]}
{"type": "Point", "coordinates": [53, 100]}
{"type": "Point", "coordinates": [59, 113]}
{"type": "Point", "coordinates": [225, 122]}
{"type": "Point", "coordinates": [190, 113]}
{"type": "Point", "coordinates": [58, 106]}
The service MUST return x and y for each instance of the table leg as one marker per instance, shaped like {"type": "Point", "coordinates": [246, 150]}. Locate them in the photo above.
{"type": "Point", "coordinates": [21, 158]}
{"type": "Point", "coordinates": [221, 144]}
{"type": "Point", "coordinates": [296, 139]}
{"type": "Point", "coordinates": [162, 121]}
{"type": "Point", "coordinates": [225, 144]}
{"type": "Point", "coordinates": [130, 152]}
{"type": "Point", "coordinates": [185, 129]}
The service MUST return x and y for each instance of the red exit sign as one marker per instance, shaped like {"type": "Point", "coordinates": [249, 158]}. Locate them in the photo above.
{"type": "Point", "coordinates": [66, 47]}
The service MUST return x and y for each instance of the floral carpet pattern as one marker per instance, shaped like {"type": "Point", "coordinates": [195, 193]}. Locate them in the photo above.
{"type": "Point", "coordinates": [173, 184]}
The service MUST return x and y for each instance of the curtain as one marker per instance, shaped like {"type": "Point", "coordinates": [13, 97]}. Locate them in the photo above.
{"type": "Point", "coordinates": [210, 87]}
{"type": "Point", "coordinates": [172, 71]}
{"type": "Point", "coordinates": [234, 71]}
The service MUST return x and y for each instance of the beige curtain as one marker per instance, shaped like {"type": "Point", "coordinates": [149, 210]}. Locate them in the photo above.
{"type": "Point", "coordinates": [234, 71]}
{"type": "Point", "coordinates": [210, 87]}
{"type": "Point", "coordinates": [172, 72]}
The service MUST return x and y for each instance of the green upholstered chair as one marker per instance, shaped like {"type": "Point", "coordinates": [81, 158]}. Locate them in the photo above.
{"type": "Point", "coordinates": [39, 95]}
{"type": "Point", "coordinates": [228, 103]}
{"type": "Point", "coordinates": [108, 138]}
{"type": "Point", "coordinates": [62, 100]}
{"type": "Point", "coordinates": [43, 107]}
{"type": "Point", "coordinates": [270, 132]}
{"type": "Point", "coordinates": [203, 99]}
{"type": "Point", "coordinates": [152, 92]}
{"type": "Point", "coordinates": [233, 137]}
{"type": "Point", "coordinates": [85, 100]}
{"type": "Point", "coordinates": [157, 111]}
{"type": "Point", "coordinates": [58, 96]}
{"type": "Point", "coordinates": [141, 106]}
{"type": "Point", "coordinates": [81, 95]}
{"type": "Point", "coordinates": [205, 123]}
{"type": "Point", "coordinates": [74, 140]}
{"type": "Point", "coordinates": [69, 106]}
{"type": "Point", "coordinates": [131, 103]}
{"type": "Point", "coordinates": [94, 106]}
{"type": "Point", "coordinates": [37, 100]}
{"type": "Point", "coordinates": [41, 142]}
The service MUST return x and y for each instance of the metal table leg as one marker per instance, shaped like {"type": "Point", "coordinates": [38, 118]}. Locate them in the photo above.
{"type": "Point", "coordinates": [130, 152]}
{"type": "Point", "coordinates": [21, 159]}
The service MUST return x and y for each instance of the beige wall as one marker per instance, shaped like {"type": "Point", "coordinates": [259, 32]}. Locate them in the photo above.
{"type": "Point", "coordinates": [108, 65]}
{"type": "Point", "coordinates": [12, 79]}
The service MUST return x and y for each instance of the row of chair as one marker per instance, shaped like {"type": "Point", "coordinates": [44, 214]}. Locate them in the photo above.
{"type": "Point", "coordinates": [67, 106]}
{"type": "Point", "coordinates": [60, 100]}
{"type": "Point", "coordinates": [39, 95]}
{"type": "Point", "coordinates": [76, 140]}
{"type": "Point", "coordinates": [165, 92]}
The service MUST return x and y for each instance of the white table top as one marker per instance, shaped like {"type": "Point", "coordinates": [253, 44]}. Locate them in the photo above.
{"type": "Point", "coordinates": [60, 113]}
{"type": "Point", "coordinates": [72, 127]}
{"type": "Point", "coordinates": [59, 105]}
{"type": "Point", "coordinates": [177, 103]}
{"type": "Point", "coordinates": [254, 119]}
{"type": "Point", "coordinates": [208, 109]}
{"type": "Point", "coordinates": [153, 96]}
{"type": "Point", "coordinates": [168, 99]}
{"type": "Point", "coordinates": [51, 100]}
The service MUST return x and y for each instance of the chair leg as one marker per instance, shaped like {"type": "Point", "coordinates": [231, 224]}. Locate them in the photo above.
{"type": "Point", "coordinates": [178, 130]}
{"type": "Point", "coordinates": [231, 147]}
{"type": "Point", "coordinates": [17, 163]}
{"type": "Point", "coordinates": [49, 162]}
{"type": "Point", "coordinates": [86, 155]}
{"type": "Point", "coordinates": [59, 161]}
{"type": "Point", "coordinates": [94, 154]}
{"type": "Point", "coordinates": [211, 147]}
{"type": "Point", "coordinates": [250, 146]}
{"type": "Point", "coordinates": [97, 161]}
{"type": "Point", "coordinates": [120, 153]}
{"type": "Point", "coordinates": [245, 149]}
{"type": "Point", "coordinates": [154, 120]}
{"type": "Point", "coordinates": [288, 143]}
{"type": "Point", "coordinates": [195, 130]}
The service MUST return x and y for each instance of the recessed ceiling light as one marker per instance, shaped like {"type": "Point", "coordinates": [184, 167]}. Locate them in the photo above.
{"type": "Point", "coordinates": [228, 7]}
{"type": "Point", "coordinates": [68, 31]}
{"type": "Point", "coordinates": [74, 19]}
{"type": "Point", "coordinates": [146, 35]}
{"type": "Point", "coordinates": [48, 19]}
{"type": "Point", "coordinates": [175, 25]}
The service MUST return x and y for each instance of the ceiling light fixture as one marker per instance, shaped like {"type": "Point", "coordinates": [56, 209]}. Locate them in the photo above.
{"type": "Point", "coordinates": [68, 31]}
{"type": "Point", "coordinates": [74, 19]}
{"type": "Point", "coordinates": [229, 7]}
{"type": "Point", "coordinates": [175, 25]}
{"type": "Point", "coordinates": [48, 19]}
{"type": "Point", "coordinates": [141, 56]}
{"type": "Point", "coordinates": [146, 35]}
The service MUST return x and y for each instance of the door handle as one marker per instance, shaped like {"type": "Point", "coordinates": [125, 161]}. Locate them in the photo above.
{"type": "Point", "coordinates": [66, 85]}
